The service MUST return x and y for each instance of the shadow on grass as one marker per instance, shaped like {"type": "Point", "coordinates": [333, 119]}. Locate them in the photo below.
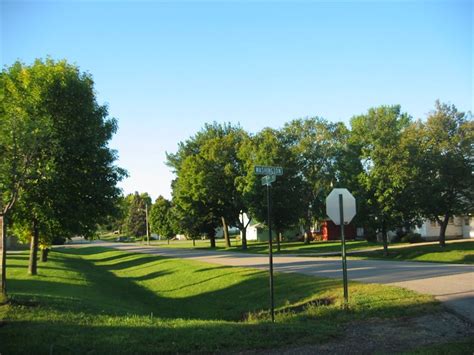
{"type": "Point", "coordinates": [454, 253]}
{"type": "Point", "coordinates": [468, 259]}
{"type": "Point", "coordinates": [79, 333]}
{"type": "Point", "coordinates": [154, 336]}
{"type": "Point", "coordinates": [133, 263]}
{"type": "Point", "coordinates": [105, 293]}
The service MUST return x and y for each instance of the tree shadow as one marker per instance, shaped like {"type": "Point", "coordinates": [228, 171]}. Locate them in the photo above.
{"type": "Point", "coordinates": [79, 333]}
{"type": "Point", "coordinates": [105, 292]}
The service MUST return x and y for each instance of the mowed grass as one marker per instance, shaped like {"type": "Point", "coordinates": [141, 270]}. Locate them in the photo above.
{"type": "Point", "coordinates": [95, 300]}
{"type": "Point", "coordinates": [453, 252]}
{"type": "Point", "coordinates": [262, 247]}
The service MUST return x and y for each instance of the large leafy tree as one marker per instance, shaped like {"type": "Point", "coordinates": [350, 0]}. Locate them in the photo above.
{"type": "Point", "coordinates": [24, 132]}
{"type": "Point", "coordinates": [207, 168]}
{"type": "Point", "coordinates": [74, 184]}
{"type": "Point", "coordinates": [386, 175]}
{"type": "Point", "coordinates": [323, 160]}
{"type": "Point", "coordinates": [442, 154]}
{"type": "Point", "coordinates": [268, 148]}
{"type": "Point", "coordinates": [161, 218]}
{"type": "Point", "coordinates": [135, 221]}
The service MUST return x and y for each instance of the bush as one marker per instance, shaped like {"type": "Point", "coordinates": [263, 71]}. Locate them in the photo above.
{"type": "Point", "coordinates": [412, 238]}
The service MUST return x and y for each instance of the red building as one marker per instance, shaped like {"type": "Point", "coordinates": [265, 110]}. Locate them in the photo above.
{"type": "Point", "coordinates": [330, 231]}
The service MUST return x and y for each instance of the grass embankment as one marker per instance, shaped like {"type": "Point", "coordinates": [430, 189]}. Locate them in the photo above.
{"type": "Point", "coordinates": [102, 301]}
{"type": "Point", "coordinates": [453, 252]}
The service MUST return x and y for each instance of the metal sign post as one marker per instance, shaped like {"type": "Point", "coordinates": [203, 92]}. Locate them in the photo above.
{"type": "Point", "coordinates": [344, 260]}
{"type": "Point", "coordinates": [270, 173]}
{"type": "Point", "coordinates": [341, 208]}
{"type": "Point", "coordinates": [270, 252]}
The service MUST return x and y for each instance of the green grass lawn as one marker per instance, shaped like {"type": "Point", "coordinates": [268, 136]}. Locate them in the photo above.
{"type": "Point", "coordinates": [95, 300]}
{"type": "Point", "coordinates": [459, 252]}
{"type": "Point", "coordinates": [262, 247]}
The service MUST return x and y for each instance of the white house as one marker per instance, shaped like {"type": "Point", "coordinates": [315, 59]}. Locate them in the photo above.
{"type": "Point", "coordinates": [257, 231]}
{"type": "Point", "coordinates": [458, 227]}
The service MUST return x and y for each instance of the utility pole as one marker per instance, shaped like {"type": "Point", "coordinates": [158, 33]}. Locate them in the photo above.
{"type": "Point", "coordinates": [147, 227]}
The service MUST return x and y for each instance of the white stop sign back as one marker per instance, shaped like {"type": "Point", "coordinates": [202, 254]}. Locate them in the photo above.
{"type": "Point", "coordinates": [348, 204]}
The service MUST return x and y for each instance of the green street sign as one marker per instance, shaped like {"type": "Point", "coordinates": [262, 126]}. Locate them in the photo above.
{"type": "Point", "coordinates": [268, 179]}
{"type": "Point", "coordinates": [268, 170]}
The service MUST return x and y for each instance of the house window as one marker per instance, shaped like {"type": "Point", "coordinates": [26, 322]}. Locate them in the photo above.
{"type": "Point", "coordinates": [432, 223]}
{"type": "Point", "coordinates": [451, 220]}
{"type": "Point", "coordinates": [467, 221]}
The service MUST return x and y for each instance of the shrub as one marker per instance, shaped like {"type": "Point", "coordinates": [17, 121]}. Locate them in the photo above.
{"type": "Point", "coordinates": [412, 238]}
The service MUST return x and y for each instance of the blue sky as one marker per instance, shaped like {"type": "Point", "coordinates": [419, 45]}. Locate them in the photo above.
{"type": "Point", "coordinates": [166, 68]}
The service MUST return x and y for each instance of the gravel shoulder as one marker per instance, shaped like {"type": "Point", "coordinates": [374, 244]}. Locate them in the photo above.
{"type": "Point", "coordinates": [381, 337]}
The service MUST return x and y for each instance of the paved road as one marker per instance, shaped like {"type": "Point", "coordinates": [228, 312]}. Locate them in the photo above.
{"type": "Point", "coordinates": [452, 284]}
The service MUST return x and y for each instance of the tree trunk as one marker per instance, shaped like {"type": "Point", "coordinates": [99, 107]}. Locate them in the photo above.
{"type": "Point", "coordinates": [168, 240]}
{"type": "Point", "coordinates": [44, 255]}
{"type": "Point", "coordinates": [33, 264]}
{"type": "Point", "coordinates": [243, 228]}
{"type": "Point", "coordinates": [306, 236]}
{"type": "Point", "coordinates": [3, 257]}
{"type": "Point", "coordinates": [244, 238]}
{"type": "Point", "coordinates": [194, 241]}
{"type": "Point", "coordinates": [225, 228]}
{"type": "Point", "coordinates": [307, 231]}
{"type": "Point", "coordinates": [442, 230]}
{"type": "Point", "coordinates": [384, 239]}
{"type": "Point", "coordinates": [212, 239]}
{"type": "Point", "coordinates": [278, 238]}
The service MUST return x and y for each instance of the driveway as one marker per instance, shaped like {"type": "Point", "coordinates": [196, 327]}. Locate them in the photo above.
{"type": "Point", "coordinates": [451, 284]}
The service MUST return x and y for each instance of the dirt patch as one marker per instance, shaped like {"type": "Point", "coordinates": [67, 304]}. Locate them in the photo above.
{"type": "Point", "coordinates": [388, 336]}
{"type": "Point", "coordinates": [290, 309]}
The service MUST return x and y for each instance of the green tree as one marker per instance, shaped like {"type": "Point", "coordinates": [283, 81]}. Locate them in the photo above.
{"type": "Point", "coordinates": [442, 151]}
{"type": "Point", "coordinates": [268, 148]}
{"type": "Point", "coordinates": [207, 168]}
{"type": "Point", "coordinates": [24, 129]}
{"type": "Point", "coordinates": [196, 212]}
{"type": "Point", "coordinates": [322, 159]}
{"type": "Point", "coordinates": [74, 185]}
{"type": "Point", "coordinates": [385, 176]}
{"type": "Point", "coordinates": [161, 219]}
{"type": "Point", "coordinates": [135, 222]}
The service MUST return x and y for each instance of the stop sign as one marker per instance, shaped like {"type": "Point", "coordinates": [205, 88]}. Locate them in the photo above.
{"type": "Point", "coordinates": [348, 205]}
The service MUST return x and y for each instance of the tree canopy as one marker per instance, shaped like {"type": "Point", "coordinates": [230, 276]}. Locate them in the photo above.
{"type": "Point", "coordinates": [56, 162]}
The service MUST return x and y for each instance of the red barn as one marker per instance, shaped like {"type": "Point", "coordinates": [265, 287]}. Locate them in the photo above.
{"type": "Point", "coordinates": [330, 231]}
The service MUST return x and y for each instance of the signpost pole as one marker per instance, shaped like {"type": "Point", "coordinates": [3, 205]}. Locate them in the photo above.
{"type": "Point", "coordinates": [146, 224]}
{"type": "Point", "coordinates": [344, 261]}
{"type": "Point", "coordinates": [270, 253]}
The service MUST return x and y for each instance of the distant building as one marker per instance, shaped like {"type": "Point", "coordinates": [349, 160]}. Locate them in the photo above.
{"type": "Point", "coordinates": [257, 231]}
{"type": "Point", "coordinates": [330, 231]}
{"type": "Point", "coordinates": [458, 227]}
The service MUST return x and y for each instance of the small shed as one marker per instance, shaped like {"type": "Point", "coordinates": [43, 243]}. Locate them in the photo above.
{"type": "Point", "coordinates": [331, 231]}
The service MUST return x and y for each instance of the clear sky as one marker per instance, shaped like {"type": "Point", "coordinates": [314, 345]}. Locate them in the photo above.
{"type": "Point", "coordinates": [166, 68]}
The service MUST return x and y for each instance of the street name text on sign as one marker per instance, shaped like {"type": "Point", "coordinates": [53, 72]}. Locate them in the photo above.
{"type": "Point", "coordinates": [332, 206]}
{"type": "Point", "coordinates": [268, 170]}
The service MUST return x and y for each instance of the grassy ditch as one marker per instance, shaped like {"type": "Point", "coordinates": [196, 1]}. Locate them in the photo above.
{"type": "Point", "coordinates": [98, 300]}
